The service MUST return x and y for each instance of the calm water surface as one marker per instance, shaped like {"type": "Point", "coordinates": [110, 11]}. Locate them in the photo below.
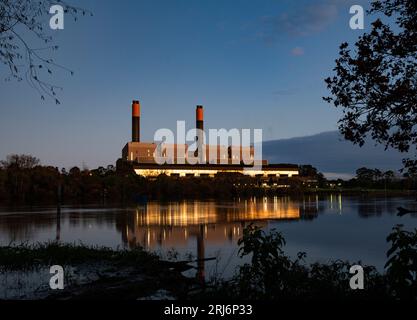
{"type": "Point", "coordinates": [330, 227]}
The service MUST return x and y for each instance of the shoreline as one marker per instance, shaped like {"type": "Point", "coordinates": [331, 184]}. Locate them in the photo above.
{"type": "Point", "coordinates": [293, 194]}
{"type": "Point", "coordinates": [91, 273]}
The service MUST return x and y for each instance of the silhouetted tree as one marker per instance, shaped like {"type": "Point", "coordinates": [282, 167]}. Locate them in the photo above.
{"type": "Point", "coordinates": [24, 25]}
{"type": "Point", "coordinates": [365, 174]}
{"type": "Point", "coordinates": [18, 169]}
{"type": "Point", "coordinates": [307, 171]}
{"type": "Point", "coordinates": [22, 161]}
{"type": "Point", "coordinates": [75, 171]}
{"type": "Point", "coordinates": [3, 178]}
{"type": "Point", "coordinates": [375, 83]}
{"type": "Point", "coordinates": [389, 175]}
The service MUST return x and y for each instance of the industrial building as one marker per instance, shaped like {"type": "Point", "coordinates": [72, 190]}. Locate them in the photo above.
{"type": "Point", "coordinates": [216, 159]}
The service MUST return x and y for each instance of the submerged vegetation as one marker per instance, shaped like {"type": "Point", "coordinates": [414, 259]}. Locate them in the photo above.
{"type": "Point", "coordinates": [26, 257]}
{"type": "Point", "coordinates": [90, 272]}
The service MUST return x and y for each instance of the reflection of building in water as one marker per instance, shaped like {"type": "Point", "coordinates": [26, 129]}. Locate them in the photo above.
{"type": "Point", "coordinates": [309, 207]}
{"type": "Point", "coordinates": [175, 223]}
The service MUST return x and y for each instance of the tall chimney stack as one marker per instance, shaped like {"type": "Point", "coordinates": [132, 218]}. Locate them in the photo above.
{"type": "Point", "coordinates": [199, 118]}
{"type": "Point", "coordinates": [135, 121]}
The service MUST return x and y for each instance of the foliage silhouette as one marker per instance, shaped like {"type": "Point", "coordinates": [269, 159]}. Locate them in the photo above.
{"type": "Point", "coordinates": [402, 263]}
{"type": "Point", "coordinates": [273, 275]}
{"type": "Point", "coordinates": [375, 82]}
{"type": "Point", "coordinates": [23, 24]}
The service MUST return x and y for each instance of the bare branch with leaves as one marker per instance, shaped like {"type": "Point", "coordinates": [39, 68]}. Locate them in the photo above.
{"type": "Point", "coordinates": [26, 42]}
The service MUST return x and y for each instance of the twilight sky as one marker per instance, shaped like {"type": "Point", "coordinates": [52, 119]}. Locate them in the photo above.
{"type": "Point", "coordinates": [252, 64]}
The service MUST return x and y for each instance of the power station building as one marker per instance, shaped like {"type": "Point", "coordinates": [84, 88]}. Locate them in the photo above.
{"type": "Point", "coordinates": [214, 160]}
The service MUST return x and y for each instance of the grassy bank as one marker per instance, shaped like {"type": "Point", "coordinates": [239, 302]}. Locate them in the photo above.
{"type": "Point", "coordinates": [94, 272]}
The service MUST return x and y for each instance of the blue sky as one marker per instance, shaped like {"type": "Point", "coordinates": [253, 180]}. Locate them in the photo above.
{"type": "Point", "coordinates": [252, 64]}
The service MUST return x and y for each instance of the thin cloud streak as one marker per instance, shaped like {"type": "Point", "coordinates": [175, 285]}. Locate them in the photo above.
{"type": "Point", "coordinates": [297, 51]}
{"type": "Point", "coordinates": [307, 20]}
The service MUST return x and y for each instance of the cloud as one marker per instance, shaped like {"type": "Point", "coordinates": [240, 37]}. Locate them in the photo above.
{"type": "Point", "coordinates": [297, 51]}
{"type": "Point", "coordinates": [338, 175]}
{"type": "Point", "coordinates": [304, 21]}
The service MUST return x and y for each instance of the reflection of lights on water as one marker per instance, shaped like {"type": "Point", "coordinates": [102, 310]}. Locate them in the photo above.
{"type": "Point", "coordinates": [331, 201]}
{"type": "Point", "coordinates": [176, 222]}
{"type": "Point", "coordinates": [340, 203]}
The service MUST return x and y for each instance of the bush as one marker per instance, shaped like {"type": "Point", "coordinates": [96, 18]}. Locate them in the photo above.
{"type": "Point", "coordinates": [272, 274]}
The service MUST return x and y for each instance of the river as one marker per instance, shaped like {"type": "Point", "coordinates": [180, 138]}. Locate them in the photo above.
{"type": "Point", "coordinates": [326, 228]}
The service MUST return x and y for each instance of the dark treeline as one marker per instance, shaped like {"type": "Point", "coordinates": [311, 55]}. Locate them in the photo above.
{"type": "Point", "coordinates": [23, 180]}
{"type": "Point", "coordinates": [375, 179]}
